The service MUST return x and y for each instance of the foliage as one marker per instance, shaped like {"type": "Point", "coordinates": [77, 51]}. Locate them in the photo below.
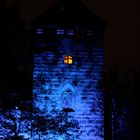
{"type": "Point", "coordinates": [121, 95]}
{"type": "Point", "coordinates": [18, 124]}
{"type": "Point", "coordinates": [54, 124]}
{"type": "Point", "coordinates": [51, 123]}
{"type": "Point", "coordinates": [14, 123]}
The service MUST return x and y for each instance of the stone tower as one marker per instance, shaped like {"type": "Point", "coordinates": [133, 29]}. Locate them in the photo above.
{"type": "Point", "coordinates": [68, 62]}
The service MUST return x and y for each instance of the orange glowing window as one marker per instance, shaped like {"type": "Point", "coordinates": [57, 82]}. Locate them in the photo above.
{"type": "Point", "coordinates": [67, 59]}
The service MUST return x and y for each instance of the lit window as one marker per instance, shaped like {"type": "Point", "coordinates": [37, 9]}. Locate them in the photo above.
{"type": "Point", "coordinates": [68, 59]}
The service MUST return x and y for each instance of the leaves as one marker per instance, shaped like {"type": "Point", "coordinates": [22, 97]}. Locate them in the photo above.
{"type": "Point", "coordinates": [56, 123]}
{"type": "Point", "coordinates": [16, 123]}
{"type": "Point", "coordinates": [121, 91]}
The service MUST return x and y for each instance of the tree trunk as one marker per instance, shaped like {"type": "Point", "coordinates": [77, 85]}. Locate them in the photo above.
{"type": "Point", "coordinates": [107, 115]}
{"type": "Point", "coordinates": [39, 136]}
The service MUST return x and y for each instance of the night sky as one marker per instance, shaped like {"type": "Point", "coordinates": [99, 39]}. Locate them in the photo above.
{"type": "Point", "coordinates": [122, 35]}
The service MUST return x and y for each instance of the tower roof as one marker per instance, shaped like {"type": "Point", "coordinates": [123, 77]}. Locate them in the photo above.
{"type": "Point", "coordinates": [69, 13]}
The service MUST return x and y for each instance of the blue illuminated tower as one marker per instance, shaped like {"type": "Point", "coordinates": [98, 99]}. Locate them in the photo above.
{"type": "Point", "coordinates": [68, 62]}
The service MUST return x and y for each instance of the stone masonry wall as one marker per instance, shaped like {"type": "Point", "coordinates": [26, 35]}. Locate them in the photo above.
{"type": "Point", "coordinates": [72, 86]}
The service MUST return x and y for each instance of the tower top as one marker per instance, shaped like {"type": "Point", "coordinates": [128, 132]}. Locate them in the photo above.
{"type": "Point", "coordinates": [69, 13]}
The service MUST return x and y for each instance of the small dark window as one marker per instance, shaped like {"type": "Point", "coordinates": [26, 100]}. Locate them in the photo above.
{"type": "Point", "coordinates": [89, 33]}
{"type": "Point", "coordinates": [60, 31]}
{"type": "Point", "coordinates": [70, 32]}
{"type": "Point", "coordinates": [39, 31]}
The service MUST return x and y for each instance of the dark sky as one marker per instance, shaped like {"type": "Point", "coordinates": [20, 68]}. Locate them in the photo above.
{"type": "Point", "coordinates": [122, 35]}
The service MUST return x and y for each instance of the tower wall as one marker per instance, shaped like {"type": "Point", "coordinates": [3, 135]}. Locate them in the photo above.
{"type": "Point", "coordinates": [59, 85]}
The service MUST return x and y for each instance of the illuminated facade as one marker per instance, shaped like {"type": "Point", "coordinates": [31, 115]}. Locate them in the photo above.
{"type": "Point", "coordinates": [68, 62]}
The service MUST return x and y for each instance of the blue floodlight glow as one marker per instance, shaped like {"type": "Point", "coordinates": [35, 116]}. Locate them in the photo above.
{"type": "Point", "coordinates": [71, 87]}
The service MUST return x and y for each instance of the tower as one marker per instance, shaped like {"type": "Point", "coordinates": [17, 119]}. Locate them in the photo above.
{"type": "Point", "coordinates": [68, 62]}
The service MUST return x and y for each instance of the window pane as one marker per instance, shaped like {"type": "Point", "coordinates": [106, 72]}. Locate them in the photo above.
{"type": "Point", "coordinates": [68, 59]}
